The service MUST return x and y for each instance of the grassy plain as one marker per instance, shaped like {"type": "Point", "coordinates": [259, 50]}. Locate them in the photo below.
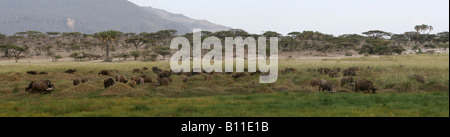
{"type": "Point", "coordinates": [290, 96]}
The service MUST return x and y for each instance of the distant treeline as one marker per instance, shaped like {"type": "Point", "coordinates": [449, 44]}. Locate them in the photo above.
{"type": "Point", "coordinates": [148, 46]}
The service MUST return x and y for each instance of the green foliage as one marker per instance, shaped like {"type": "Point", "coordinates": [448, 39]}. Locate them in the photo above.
{"type": "Point", "coordinates": [376, 34]}
{"type": "Point", "coordinates": [108, 37]}
{"type": "Point", "coordinates": [377, 47]}
{"type": "Point", "coordinates": [269, 34]}
{"type": "Point", "coordinates": [163, 51]}
{"type": "Point", "coordinates": [153, 57]}
{"type": "Point", "coordinates": [398, 49]}
{"type": "Point", "coordinates": [135, 54]}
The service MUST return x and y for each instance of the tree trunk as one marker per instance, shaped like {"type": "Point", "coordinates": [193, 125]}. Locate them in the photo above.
{"type": "Point", "coordinates": [107, 52]}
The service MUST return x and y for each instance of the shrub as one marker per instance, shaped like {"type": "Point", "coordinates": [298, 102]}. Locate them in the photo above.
{"type": "Point", "coordinates": [135, 54]}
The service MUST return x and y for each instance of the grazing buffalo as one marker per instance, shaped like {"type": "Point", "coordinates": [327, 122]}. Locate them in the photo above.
{"type": "Point", "coordinates": [147, 79]}
{"type": "Point", "coordinates": [76, 82]}
{"type": "Point", "coordinates": [156, 70]}
{"type": "Point", "coordinates": [135, 78]}
{"type": "Point", "coordinates": [70, 71]}
{"type": "Point", "coordinates": [140, 81]}
{"type": "Point", "coordinates": [350, 72]}
{"type": "Point", "coordinates": [258, 72]}
{"type": "Point", "coordinates": [354, 68]}
{"type": "Point", "coordinates": [333, 74]}
{"type": "Point", "coordinates": [289, 70]}
{"type": "Point", "coordinates": [336, 70]}
{"type": "Point", "coordinates": [132, 84]}
{"type": "Point", "coordinates": [105, 72]}
{"type": "Point", "coordinates": [323, 71]}
{"type": "Point", "coordinates": [349, 81]}
{"type": "Point", "coordinates": [32, 72]}
{"type": "Point", "coordinates": [162, 82]}
{"type": "Point", "coordinates": [137, 71]}
{"type": "Point", "coordinates": [43, 73]}
{"type": "Point", "coordinates": [121, 79]}
{"type": "Point", "coordinates": [144, 68]}
{"type": "Point", "coordinates": [108, 82]}
{"type": "Point", "coordinates": [314, 82]}
{"type": "Point", "coordinates": [364, 85]}
{"type": "Point", "coordinates": [43, 87]}
{"type": "Point", "coordinates": [325, 85]}
{"type": "Point", "coordinates": [185, 79]}
{"type": "Point", "coordinates": [418, 78]}
{"type": "Point", "coordinates": [164, 74]}
{"type": "Point", "coordinates": [84, 80]}
{"type": "Point", "coordinates": [238, 75]}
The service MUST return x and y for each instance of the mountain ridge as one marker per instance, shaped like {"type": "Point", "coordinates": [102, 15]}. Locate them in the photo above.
{"type": "Point", "coordinates": [91, 16]}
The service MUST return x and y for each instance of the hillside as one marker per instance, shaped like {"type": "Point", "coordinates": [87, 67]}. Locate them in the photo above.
{"type": "Point", "coordinates": [90, 16]}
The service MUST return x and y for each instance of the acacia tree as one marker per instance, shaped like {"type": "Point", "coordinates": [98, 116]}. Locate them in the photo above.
{"type": "Point", "coordinates": [137, 41]}
{"type": "Point", "coordinates": [108, 38]}
{"type": "Point", "coordinates": [326, 48]}
{"type": "Point", "coordinates": [14, 51]}
{"type": "Point", "coordinates": [163, 51]}
{"type": "Point", "coordinates": [376, 34]}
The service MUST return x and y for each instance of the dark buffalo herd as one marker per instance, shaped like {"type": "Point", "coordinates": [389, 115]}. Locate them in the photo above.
{"type": "Point", "coordinates": [164, 78]}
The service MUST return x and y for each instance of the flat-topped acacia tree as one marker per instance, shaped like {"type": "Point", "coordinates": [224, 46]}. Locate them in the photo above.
{"type": "Point", "coordinates": [108, 38]}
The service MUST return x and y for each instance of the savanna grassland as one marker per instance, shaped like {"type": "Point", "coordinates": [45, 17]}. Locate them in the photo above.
{"type": "Point", "coordinates": [398, 94]}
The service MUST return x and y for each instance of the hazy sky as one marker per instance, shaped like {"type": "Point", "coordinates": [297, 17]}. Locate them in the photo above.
{"type": "Point", "coordinates": [327, 16]}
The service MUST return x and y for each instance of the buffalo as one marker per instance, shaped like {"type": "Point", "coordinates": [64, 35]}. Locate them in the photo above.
{"type": "Point", "coordinates": [238, 75]}
{"type": "Point", "coordinates": [289, 70]}
{"type": "Point", "coordinates": [105, 72]}
{"type": "Point", "coordinates": [349, 81]}
{"type": "Point", "coordinates": [140, 81]}
{"type": "Point", "coordinates": [314, 82]}
{"type": "Point", "coordinates": [135, 78]}
{"type": "Point", "coordinates": [121, 79]}
{"type": "Point", "coordinates": [258, 72]}
{"type": "Point", "coordinates": [43, 73]}
{"type": "Point", "coordinates": [364, 85]}
{"type": "Point", "coordinates": [325, 85]}
{"type": "Point", "coordinates": [164, 74]}
{"type": "Point", "coordinates": [333, 74]}
{"type": "Point", "coordinates": [185, 79]}
{"type": "Point", "coordinates": [70, 71]}
{"type": "Point", "coordinates": [156, 70]}
{"type": "Point", "coordinates": [32, 72]}
{"type": "Point", "coordinates": [132, 84]}
{"type": "Point", "coordinates": [84, 80]}
{"type": "Point", "coordinates": [76, 82]}
{"type": "Point", "coordinates": [323, 71]}
{"type": "Point", "coordinates": [418, 78]}
{"type": "Point", "coordinates": [350, 72]}
{"type": "Point", "coordinates": [137, 71]}
{"type": "Point", "coordinates": [162, 82]}
{"type": "Point", "coordinates": [108, 82]}
{"type": "Point", "coordinates": [43, 87]}
{"type": "Point", "coordinates": [147, 79]}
